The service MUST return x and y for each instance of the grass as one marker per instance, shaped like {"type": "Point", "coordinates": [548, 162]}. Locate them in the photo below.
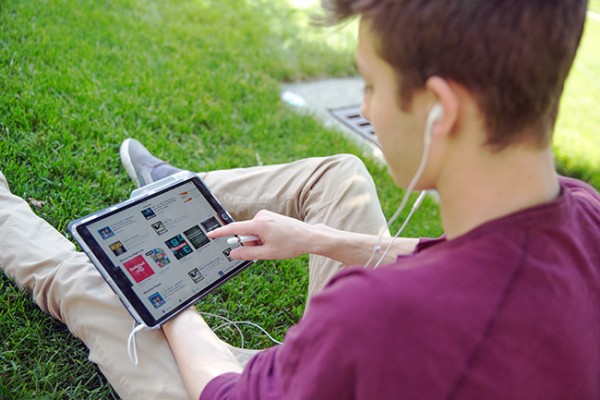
{"type": "Point", "coordinates": [577, 143]}
{"type": "Point", "coordinates": [77, 77]}
{"type": "Point", "coordinates": [594, 5]}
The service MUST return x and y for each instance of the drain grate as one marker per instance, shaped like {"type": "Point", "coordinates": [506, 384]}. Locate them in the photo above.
{"type": "Point", "coordinates": [351, 117]}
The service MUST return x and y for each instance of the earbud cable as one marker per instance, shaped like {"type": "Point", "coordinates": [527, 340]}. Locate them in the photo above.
{"type": "Point", "coordinates": [424, 158]}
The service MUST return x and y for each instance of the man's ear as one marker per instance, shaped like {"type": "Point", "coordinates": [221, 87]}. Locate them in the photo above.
{"type": "Point", "coordinates": [445, 96]}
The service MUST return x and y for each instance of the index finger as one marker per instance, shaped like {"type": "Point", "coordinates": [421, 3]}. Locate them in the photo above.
{"type": "Point", "coordinates": [234, 228]}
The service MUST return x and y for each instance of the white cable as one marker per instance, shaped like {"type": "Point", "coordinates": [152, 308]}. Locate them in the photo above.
{"type": "Point", "coordinates": [131, 344]}
{"type": "Point", "coordinates": [414, 208]}
{"type": "Point", "coordinates": [236, 323]}
{"type": "Point", "coordinates": [229, 322]}
{"type": "Point", "coordinates": [424, 158]}
{"type": "Point", "coordinates": [377, 247]}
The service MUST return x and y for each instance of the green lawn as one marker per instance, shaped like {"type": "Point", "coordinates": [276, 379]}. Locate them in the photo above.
{"type": "Point", "coordinates": [577, 137]}
{"type": "Point", "coordinates": [594, 5]}
{"type": "Point", "coordinates": [78, 77]}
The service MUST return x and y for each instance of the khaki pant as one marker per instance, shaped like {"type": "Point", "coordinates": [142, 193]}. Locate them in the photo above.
{"type": "Point", "coordinates": [336, 191]}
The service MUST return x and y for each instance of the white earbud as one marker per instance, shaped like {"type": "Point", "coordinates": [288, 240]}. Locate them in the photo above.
{"type": "Point", "coordinates": [435, 114]}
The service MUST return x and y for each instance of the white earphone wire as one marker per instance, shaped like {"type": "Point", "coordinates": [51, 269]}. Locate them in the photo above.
{"type": "Point", "coordinates": [434, 115]}
{"type": "Point", "coordinates": [229, 322]}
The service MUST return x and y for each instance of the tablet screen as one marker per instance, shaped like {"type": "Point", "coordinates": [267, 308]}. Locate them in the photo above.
{"type": "Point", "coordinates": [156, 251]}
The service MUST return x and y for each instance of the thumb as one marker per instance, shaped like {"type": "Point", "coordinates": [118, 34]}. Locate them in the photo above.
{"type": "Point", "coordinates": [249, 253]}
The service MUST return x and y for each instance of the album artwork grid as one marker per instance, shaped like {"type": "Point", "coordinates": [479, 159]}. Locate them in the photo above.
{"type": "Point", "coordinates": [157, 246]}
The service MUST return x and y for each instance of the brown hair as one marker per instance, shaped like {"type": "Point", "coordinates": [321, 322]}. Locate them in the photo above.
{"type": "Point", "coordinates": [513, 56]}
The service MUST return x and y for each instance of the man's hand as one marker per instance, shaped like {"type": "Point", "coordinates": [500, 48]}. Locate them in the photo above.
{"type": "Point", "coordinates": [279, 236]}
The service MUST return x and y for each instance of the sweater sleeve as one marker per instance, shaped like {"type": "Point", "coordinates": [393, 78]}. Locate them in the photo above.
{"type": "Point", "coordinates": [313, 363]}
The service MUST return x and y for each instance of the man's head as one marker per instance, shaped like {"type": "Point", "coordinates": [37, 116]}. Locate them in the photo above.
{"type": "Point", "coordinates": [511, 56]}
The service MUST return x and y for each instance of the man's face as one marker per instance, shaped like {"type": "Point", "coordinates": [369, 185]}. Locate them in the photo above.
{"type": "Point", "coordinates": [399, 132]}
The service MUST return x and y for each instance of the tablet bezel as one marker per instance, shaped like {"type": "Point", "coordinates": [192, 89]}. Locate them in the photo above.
{"type": "Point", "coordinates": [117, 279]}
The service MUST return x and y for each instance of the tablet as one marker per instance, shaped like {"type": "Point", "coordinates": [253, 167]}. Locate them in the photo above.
{"type": "Point", "coordinates": [153, 250]}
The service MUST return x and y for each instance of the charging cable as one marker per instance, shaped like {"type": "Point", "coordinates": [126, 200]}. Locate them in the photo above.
{"type": "Point", "coordinates": [132, 345]}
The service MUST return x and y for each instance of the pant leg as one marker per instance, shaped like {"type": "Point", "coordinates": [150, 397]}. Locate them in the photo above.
{"type": "Point", "coordinates": [337, 191]}
{"type": "Point", "coordinates": [66, 285]}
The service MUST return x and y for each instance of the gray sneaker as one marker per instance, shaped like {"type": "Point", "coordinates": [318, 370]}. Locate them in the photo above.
{"type": "Point", "coordinates": [141, 166]}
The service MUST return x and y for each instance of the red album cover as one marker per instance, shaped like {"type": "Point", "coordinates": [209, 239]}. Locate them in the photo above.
{"type": "Point", "coordinates": [138, 268]}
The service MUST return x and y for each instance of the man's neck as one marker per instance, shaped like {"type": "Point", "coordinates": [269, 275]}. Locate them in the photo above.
{"type": "Point", "coordinates": [489, 186]}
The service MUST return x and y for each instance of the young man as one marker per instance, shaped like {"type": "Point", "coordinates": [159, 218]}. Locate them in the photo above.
{"type": "Point", "coordinates": [463, 97]}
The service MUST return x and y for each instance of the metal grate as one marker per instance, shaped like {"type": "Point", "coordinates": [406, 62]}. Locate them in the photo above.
{"type": "Point", "coordinates": [351, 117]}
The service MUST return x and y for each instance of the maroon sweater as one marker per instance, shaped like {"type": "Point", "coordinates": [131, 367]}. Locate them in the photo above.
{"type": "Point", "coordinates": [510, 310]}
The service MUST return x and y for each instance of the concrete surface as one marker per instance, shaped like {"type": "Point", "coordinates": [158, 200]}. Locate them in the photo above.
{"type": "Point", "coordinates": [318, 97]}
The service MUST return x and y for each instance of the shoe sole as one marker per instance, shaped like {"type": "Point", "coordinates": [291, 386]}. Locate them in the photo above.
{"type": "Point", "coordinates": [127, 163]}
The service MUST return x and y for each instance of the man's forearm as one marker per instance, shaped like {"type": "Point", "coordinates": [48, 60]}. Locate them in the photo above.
{"type": "Point", "coordinates": [200, 354]}
{"type": "Point", "coordinates": [356, 248]}
{"type": "Point", "coordinates": [281, 237]}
